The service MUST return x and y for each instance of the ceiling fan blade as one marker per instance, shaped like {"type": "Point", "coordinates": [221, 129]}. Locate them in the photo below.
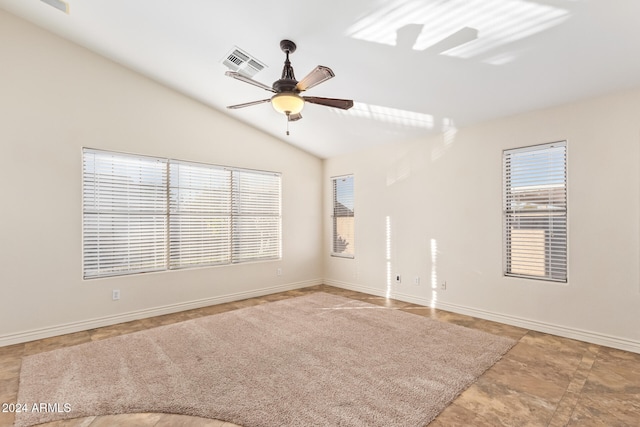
{"type": "Point", "coordinates": [343, 104]}
{"type": "Point", "coordinates": [248, 104]}
{"type": "Point", "coordinates": [249, 80]}
{"type": "Point", "coordinates": [294, 117]}
{"type": "Point", "coordinates": [315, 77]}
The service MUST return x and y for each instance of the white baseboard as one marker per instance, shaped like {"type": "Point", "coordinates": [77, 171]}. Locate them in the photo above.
{"type": "Point", "coordinates": [84, 325]}
{"type": "Point", "coordinates": [563, 331]}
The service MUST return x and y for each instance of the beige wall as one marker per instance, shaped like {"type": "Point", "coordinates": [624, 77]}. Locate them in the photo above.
{"type": "Point", "coordinates": [55, 98]}
{"type": "Point", "coordinates": [432, 208]}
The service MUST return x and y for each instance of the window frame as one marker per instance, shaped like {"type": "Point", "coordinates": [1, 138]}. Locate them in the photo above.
{"type": "Point", "coordinates": [557, 228]}
{"type": "Point", "coordinates": [335, 216]}
{"type": "Point", "coordinates": [270, 212]}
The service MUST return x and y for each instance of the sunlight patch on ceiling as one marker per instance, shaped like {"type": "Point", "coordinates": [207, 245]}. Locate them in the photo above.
{"type": "Point", "coordinates": [419, 24]}
{"type": "Point", "coordinates": [501, 58]}
{"type": "Point", "coordinates": [409, 119]}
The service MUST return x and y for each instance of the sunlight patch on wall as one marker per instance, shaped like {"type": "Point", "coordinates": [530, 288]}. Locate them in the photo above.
{"type": "Point", "coordinates": [434, 272]}
{"type": "Point", "coordinates": [400, 170]}
{"type": "Point", "coordinates": [495, 23]}
{"type": "Point", "coordinates": [388, 255]}
{"type": "Point", "coordinates": [449, 131]}
{"type": "Point", "coordinates": [409, 119]}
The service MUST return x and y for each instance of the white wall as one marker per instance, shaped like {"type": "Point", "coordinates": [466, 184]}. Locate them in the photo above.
{"type": "Point", "coordinates": [55, 98]}
{"type": "Point", "coordinates": [446, 191]}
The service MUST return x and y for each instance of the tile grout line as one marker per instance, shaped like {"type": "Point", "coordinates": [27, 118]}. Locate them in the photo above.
{"type": "Point", "coordinates": [572, 394]}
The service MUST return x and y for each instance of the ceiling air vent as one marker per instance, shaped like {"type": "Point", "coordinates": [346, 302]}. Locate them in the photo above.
{"type": "Point", "coordinates": [240, 61]}
{"type": "Point", "coordinates": [58, 4]}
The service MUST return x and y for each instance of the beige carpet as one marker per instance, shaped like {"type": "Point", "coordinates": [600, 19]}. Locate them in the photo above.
{"type": "Point", "coordinates": [315, 360]}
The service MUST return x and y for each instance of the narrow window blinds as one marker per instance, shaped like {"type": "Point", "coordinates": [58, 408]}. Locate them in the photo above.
{"type": "Point", "coordinates": [145, 214]}
{"type": "Point", "coordinates": [343, 241]}
{"type": "Point", "coordinates": [535, 212]}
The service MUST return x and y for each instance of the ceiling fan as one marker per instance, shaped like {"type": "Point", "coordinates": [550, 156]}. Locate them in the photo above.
{"type": "Point", "coordinates": [287, 99]}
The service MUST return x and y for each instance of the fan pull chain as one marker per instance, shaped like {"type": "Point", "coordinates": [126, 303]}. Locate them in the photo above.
{"type": "Point", "coordinates": [288, 124]}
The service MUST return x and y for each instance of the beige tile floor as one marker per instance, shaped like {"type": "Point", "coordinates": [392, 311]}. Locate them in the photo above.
{"type": "Point", "coordinates": [544, 380]}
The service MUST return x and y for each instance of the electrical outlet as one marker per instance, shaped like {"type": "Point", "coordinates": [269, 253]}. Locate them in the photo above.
{"type": "Point", "coordinates": [416, 280]}
{"type": "Point", "coordinates": [398, 279]}
{"type": "Point", "coordinates": [115, 294]}
{"type": "Point", "coordinates": [278, 271]}
{"type": "Point", "coordinates": [443, 286]}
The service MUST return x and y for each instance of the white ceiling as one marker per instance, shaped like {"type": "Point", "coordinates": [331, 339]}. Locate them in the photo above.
{"type": "Point", "coordinates": [413, 67]}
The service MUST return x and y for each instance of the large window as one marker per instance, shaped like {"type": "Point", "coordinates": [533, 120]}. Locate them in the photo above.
{"type": "Point", "coordinates": [343, 217]}
{"type": "Point", "coordinates": [144, 214]}
{"type": "Point", "coordinates": [535, 212]}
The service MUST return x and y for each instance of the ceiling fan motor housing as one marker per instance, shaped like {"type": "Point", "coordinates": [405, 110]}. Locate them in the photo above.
{"type": "Point", "coordinates": [285, 85]}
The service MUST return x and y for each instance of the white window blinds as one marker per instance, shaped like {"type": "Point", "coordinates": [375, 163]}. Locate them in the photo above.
{"type": "Point", "coordinates": [222, 215]}
{"type": "Point", "coordinates": [124, 214]}
{"type": "Point", "coordinates": [199, 215]}
{"type": "Point", "coordinates": [535, 211]}
{"type": "Point", "coordinates": [255, 216]}
{"type": "Point", "coordinates": [343, 233]}
{"type": "Point", "coordinates": [145, 214]}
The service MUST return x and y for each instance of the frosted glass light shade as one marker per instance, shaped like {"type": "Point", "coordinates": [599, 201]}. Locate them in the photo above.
{"type": "Point", "coordinates": [287, 103]}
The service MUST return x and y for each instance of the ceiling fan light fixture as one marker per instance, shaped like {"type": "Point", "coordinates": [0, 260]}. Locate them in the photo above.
{"type": "Point", "coordinates": [287, 103]}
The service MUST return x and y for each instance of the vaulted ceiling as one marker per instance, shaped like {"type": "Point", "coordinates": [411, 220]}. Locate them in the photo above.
{"type": "Point", "coordinates": [413, 67]}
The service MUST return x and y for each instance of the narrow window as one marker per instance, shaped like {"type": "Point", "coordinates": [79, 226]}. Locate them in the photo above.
{"type": "Point", "coordinates": [535, 212]}
{"type": "Point", "coordinates": [343, 217]}
{"type": "Point", "coordinates": [124, 214]}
